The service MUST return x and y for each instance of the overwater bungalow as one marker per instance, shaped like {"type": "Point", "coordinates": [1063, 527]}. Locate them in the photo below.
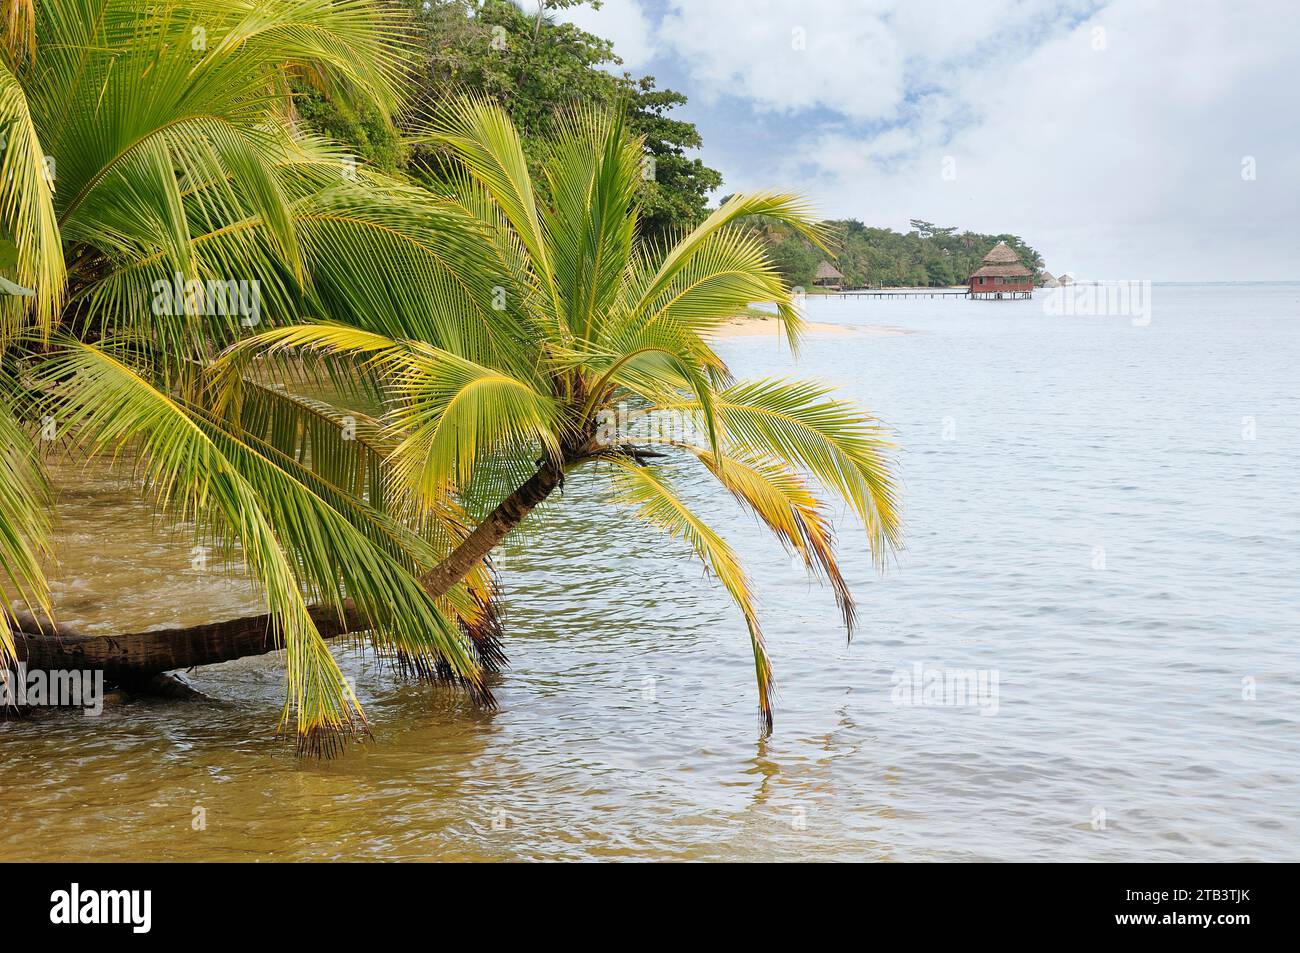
{"type": "Point", "coordinates": [1001, 275]}
{"type": "Point", "coordinates": [1065, 279]}
{"type": "Point", "coordinates": [1048, 281]}
{"type": "Point", "coordinates": [828, 276]}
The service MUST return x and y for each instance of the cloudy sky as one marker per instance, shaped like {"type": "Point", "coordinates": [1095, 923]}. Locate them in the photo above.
{"type": "Point", "coordinates": [1124, 139]}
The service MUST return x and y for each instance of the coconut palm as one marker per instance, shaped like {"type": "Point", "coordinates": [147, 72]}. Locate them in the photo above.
{"type": "Point", "coordinates": [586, 332]}
{"type": "Point", "coordinates": [152, 162]}
{"type": "Point", "coordinates": [158, 198]}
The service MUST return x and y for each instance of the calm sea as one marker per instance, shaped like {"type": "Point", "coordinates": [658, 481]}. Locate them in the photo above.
{"type": "Point", "coordinates": [1088, 650]}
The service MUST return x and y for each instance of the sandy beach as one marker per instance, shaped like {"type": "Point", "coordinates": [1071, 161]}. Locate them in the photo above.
{"type": "Point", "coordinates": [755, 326]}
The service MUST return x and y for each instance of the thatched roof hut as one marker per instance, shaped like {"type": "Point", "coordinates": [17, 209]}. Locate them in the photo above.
{"type": "Point", "coordinates": [1001, 262]}
{"type": "Point", "coordinates": [827, 275]}
{"type": "Point", "coordinates": [1001, 275]}
{"type": "Point", "coordinates": [1049, 281]}
{"type": "Point", "coordinates": [1065, 279]}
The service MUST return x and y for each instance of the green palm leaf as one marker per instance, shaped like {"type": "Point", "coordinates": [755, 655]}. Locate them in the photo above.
{"type": "Point", "coordinates": [24, 528]}
{"type": "Point", "coordinates": [784, 502]}
{"type": "Point", "coordinates": [485, 142]}
{"type": "Point", "coordinates": [841, 447]}
{"type": "Point", "coordinates": [292, 539]}
{"type": "Point", "coordinates": [27, 216]}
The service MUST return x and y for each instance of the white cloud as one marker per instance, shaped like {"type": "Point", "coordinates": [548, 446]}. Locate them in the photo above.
{"type": "Point", "coordinates": [622, 21]}
{"type": "Point", "coordinates": [788, 56]}
{"type": "Point", "coordinates": [855, 58]}
{"type": "Point", "coordinates": [1118, 161]}
{"type": "Point", "coordinates": [1114, 144]}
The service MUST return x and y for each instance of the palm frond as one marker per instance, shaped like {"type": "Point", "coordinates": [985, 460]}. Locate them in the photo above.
{"type": "Point", "coordinates": [835, 442]}
{"type": "Point", "coordinates": [784, 502]}
{"type": "Point", "coordinates": [451, 412]}
{"type": "Point", "coordinates": [729, 270]}
{"type": "Point", "coordinates": [18, 29]}
{"type": "Point", "coordinates": [481, 138]}
{"type": "Point", "coordinates": [787, 208]}
{"type": "Point", "coordinates": [356, 51]}
{"type": "Point", "coordinates": [24, 527]}
{"type": "Point", "coordinates": [27, 218]}
{"type": "Point", "coordinates": [341, 457]}
{"type": "Point", "coordinates": [346, 448]}
{"type": "Point", "coordinates": [292, 537]}
{"type": "Point", "coordinates": [400, 262]}
{"type": "Point", "coordinates": [593, 172]}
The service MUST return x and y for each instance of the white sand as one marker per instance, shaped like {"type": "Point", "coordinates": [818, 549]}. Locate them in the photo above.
{"type": "Point", "coordinates": [746, 326]}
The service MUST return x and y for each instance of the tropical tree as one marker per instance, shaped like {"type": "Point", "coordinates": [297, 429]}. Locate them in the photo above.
{"type": "Point", "coordinates": [161, 204]}
{"type": "Point", "coordinates": [587, 332]}
{"type": "Point", "coordinates": [527, 58]}
{"type": "Point", "coordinates": [158, 197]}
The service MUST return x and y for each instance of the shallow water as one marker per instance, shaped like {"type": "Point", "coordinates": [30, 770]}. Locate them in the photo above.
{"type": "Point", "coordinates": [1086, 520]}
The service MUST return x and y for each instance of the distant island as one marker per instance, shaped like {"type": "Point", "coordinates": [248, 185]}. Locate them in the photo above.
{"type": "Point", "coordinates": [926, 256]}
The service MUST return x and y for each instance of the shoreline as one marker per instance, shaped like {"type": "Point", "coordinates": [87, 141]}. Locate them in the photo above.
{"type": "Point", "coordinates": [757, 323]}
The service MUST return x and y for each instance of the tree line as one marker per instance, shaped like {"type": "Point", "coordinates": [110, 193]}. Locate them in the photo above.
{"type": "Point", "coordinates": [925, 256]}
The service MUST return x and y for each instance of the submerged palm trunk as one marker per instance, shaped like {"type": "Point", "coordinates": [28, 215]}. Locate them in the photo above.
{"type": "Point", "coordinates": [132, 660]}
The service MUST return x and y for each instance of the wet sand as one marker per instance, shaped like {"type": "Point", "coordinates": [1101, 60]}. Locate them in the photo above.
{"type": "Point", "coordinates": [751, 326]}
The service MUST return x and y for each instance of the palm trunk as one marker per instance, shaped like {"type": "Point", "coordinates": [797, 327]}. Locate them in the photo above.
{"type": "Point", "coordinates": [133, 659]}
{"type": "Point", "coordinates": [488, 534]}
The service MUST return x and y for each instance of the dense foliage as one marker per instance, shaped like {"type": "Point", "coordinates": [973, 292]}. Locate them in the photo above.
{"type": "Point", "coordinates": [537, 68]}
{"type": "Point", "coordinates": [926, 256]}
{"type": "Point", "coordinates": [162, 205]}
{"type": "Point", "coordinates": [157, 201]}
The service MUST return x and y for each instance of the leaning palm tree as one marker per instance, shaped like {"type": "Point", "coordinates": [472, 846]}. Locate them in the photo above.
{"type": "Point", "coordinates": [158, 198]}
{"type": "Point", "coordinates": [588, 331]}
{"type": "Point", "coordinates": [153, 169]}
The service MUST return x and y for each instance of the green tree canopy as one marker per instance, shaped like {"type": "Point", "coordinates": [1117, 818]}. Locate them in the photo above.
{"type": "Point", "coordinates": [536, 67]}
{"type": "Point", "coordinates": [927, 256]}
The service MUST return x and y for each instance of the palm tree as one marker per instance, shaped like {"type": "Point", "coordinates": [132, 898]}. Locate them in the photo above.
{"type": "Point", "coordinates": [153, 169]}
{"type": "Point", "coordinates": [157, 198]}
{"type": "Point", "coordinates": [588, 331]}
